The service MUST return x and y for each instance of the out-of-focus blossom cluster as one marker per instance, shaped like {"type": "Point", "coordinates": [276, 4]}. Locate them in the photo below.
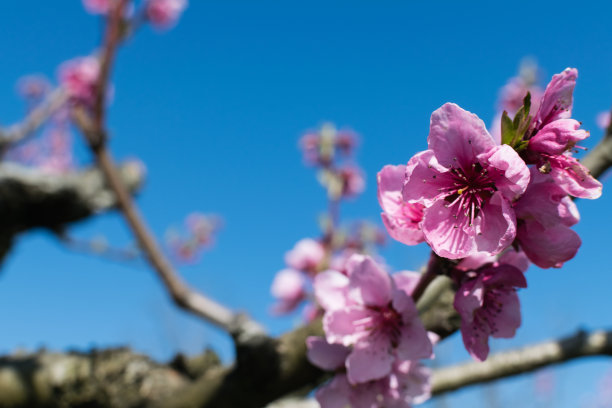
{"type": "Point", "coordinates": [162, 14]}
{"type": "Point", "coordinates": [292, 286]}
{"type": "Point", "coordinates": [198, 235]}
{"type": "Point", "coordinates": [51, 149]}
{"type": "Point", "coordinates": [332, 151]}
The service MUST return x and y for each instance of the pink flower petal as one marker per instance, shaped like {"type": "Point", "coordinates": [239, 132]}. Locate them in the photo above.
{"type": "Point", "coordinates": [369, 360]}
{"type": "Point", "coordinates": [326, 356]}
{"type": "Point", "coordinates": [456, 136]}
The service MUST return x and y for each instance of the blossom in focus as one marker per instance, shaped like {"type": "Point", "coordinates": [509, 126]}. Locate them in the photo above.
{"type": "Point", "coordinates": [467, 184]}
{"type": "Point", "coordinates": [97, 6]}
{"type": "Point", "coordinates": [288, 288]}
{"type": "Point", "coordinates": [78, 77]}
{"type": "Point", "coordinates": [306, 255]}
{"type": "Point", "coordinates": [380, 321]}
{"type": "Point", "coordinates": [164, 13]}
{"type": "Point", "coordinates": [489, 306]}
{"type": "Point", "coordinates": [545, 215]}
{"type": "Point", "coordinates": [401, 219]}
{"type": "Point", "coordinates": [553, 136]}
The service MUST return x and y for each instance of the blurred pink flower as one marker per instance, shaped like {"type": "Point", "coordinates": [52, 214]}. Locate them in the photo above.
{"type": "Point", "coordinates": [306, 255]}
{"type": "Point", "coordinates": [603, 119]}
{"type": "Point", "coordinates": [79, 76]}
{"type": "Point", "coordinates": [97, 6]}
{"type": "Point", "coordinates": [164, 14]}
{"type": "Point", "coordinates": [289, 288]}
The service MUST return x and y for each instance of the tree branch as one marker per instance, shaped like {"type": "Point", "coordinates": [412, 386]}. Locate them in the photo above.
{"type": "Point", "coordinates": [32, 198]}
{"type": "Point", "coordinates": [34, 120]}
{"type": "Point", "coordinates": [527, 359]}
{"type": "Point", "coordinates": [600, 158]}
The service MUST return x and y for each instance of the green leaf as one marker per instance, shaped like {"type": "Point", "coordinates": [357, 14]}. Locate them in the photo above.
{"type": "Point", "coordinates": [508, 131]}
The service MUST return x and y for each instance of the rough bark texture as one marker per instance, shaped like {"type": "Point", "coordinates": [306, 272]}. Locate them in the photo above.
{"type": "Point", "coordinates": [31, 198]}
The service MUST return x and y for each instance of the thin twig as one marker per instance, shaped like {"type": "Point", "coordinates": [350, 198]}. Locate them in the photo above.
{"type": "Point", "coordinates": [107, 58]}
{"type": "Point", "coordinates": [36, 118]}
{"type": "Point", "coordinates": [238, 325]}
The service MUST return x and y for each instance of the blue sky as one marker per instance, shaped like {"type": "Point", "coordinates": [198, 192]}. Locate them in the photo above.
{"type": "Point", "coordinates": [214, 108]}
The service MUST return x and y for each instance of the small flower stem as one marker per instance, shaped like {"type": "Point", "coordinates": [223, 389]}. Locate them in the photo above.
{"type": "Point", "coordinates": [434, 268]}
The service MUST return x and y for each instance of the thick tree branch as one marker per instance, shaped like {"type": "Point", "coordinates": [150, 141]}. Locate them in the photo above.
{"type": "Point", "coordinates": [121, 378]}
{"type": "Point", "coordinates": [32, 198]}
{"type": "Point", "coordinates": [527, 359]}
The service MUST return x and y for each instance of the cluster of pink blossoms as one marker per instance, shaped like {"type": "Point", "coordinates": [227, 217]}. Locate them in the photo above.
{"type": "Point", "coordinates": [322, 149]}
{"type": "Point", "coordinates": [491, 203]}
{"type": "Point", "coordinates": [292, 286]}
{"type": "Point", "coordinates": [373, 338]}
{"type": "Point", "coordinates": [162, 14]}
{"type": "Point", "coordinates": [201, 230]}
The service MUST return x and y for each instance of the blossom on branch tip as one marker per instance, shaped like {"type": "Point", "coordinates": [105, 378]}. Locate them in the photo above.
{"type": "Point", "coordinates": [289, 288]}
{"type": "Point", "coordinates": [553, 135]}
{"type": "Point", "coordinates": [97, 6]}
{"type": "Point", "coordinates": [164, 14]}
{"type": "Point", "coordinates": [79, 77]}
{"type": "Point", "coordinates": [467, 184]}
{"type": "Point", "coordinates": [306, 255]}
{"type": "Point", "coordinates": [489, 306]}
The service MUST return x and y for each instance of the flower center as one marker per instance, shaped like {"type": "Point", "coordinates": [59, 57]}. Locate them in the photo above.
{"type": "Point", "coordinates": [411, 213]}
{"type": "Point", "coordinates": [470, 189]}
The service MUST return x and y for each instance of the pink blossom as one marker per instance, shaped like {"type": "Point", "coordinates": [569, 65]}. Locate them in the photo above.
{"type": "Point", "coordinates": [510, 256]}
{"type": "Point", "coordinates": [97, 6]}
{"type": "Point", "coordinates": [513, 93]}
{"type": "Point", "coordinates": [489, 306]}
{"type": "Point", "coordinates": [164, 13]}
{"type": "Point", "coordinates": [289, 288]}
{"type": "Point", "coordinates": [407, 383]}
{"type": "Point", "coordinates": [320, 147]}
{"type": "Point", "coordinates": [339, 261]}
{"type": "Point", "coordinates": [380, 322]}
{"type": "Point", "coordinates": [553, 135]}
{"type": "Point", "coordinates": [33, 87]}
{"type": "Point", "coordinates": [309, 143]}
{"type": "Point", "coordinates": [545, 215]}
{"type": "Point", "coordinates": [603, 119]}
{"type": "Point", "coordinates": [402, 219]}
{"type": "Point", "coordinates": [332, 290]}
{"type": "Point", "coordinates": [467, 184]}
{"type": "Point", "coordinates": [353, 181]}
{"type": "Point", "coordinates": [306, 255]}
{"type": "Point", "coordinates": [79, 77]}
{"type": "Point", "coordinates": [324, 355]}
